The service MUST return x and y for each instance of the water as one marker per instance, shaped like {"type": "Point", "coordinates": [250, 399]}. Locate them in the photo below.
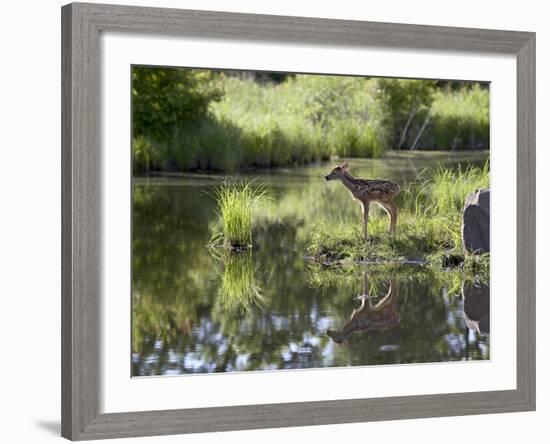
{"type": "Point", "coordinates": [198, 310]}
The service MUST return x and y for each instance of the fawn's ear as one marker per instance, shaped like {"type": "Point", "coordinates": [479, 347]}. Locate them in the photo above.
{"type": "Point", "coordinates": [345, 165]}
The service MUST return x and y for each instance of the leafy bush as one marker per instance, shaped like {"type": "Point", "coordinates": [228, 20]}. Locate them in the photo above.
{"type": "Point", "coordinates": [163, 98]}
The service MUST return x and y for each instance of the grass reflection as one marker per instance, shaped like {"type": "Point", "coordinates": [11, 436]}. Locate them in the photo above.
{"type": "Point", "coordinates": [239, 290]}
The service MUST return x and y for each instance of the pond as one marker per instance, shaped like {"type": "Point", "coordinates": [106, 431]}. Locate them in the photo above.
{"type": "Point", "coordinates": [196, 309]}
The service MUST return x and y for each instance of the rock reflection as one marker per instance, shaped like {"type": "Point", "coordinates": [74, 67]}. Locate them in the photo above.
{"type": "Point", "coordinates": [476, 298]}
{"type": "Point", "coordinates": [382, 315]}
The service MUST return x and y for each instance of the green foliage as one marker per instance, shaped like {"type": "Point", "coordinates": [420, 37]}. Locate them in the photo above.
{"type": "Point", "coordinates": [424, 114]}
{"type": "Point", "coordinates": [478, 267]}
{"type": "Point", "coordinates": [236, 204]}
{"type": "Point", "coordinates": [460, 120]}
{"type": "Point", "coordinates": [145, 157]}
{"type": "Point", "coordinates": [187, 119]}
{"type": "Point", "coordinates": [406, 103]}
{"type": "Point", "coordinates": [163, 98]}
{"type": "Point", "coordinates": [304, 119]}
{"type": "Point", "coordinates": [404, 95]}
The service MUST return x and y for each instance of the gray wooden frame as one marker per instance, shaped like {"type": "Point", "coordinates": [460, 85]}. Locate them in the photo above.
{"type": "Point", "coordinates": [81, 166]}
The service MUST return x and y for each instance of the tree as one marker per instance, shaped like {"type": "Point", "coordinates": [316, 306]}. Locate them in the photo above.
{"type": "Point", "coordinates": [164, 98]}
{"type": "Point", "coordinates": [407, 104]}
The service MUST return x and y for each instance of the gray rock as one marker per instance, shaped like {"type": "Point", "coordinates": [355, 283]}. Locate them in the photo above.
{"type": "Point", "coordinates": [475, 222]}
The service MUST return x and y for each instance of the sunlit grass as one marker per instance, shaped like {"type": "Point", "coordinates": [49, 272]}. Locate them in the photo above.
{"type": "Point", "coordinates": [461, 119]}
{"type": "Point", "coordinates": [237, 202]}
{"type": "Point", "coordinates": [303, 119]}
{"type": "Point", "coordinates": [415, 238]}
{"type": "Point", "coordinates": [446, 189]}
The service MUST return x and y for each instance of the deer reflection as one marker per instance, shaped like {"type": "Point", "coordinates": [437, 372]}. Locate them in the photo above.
{"type": "Point", "coordinates": [382, 315]}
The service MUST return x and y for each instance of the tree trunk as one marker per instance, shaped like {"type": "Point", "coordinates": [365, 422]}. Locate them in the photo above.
{"type": "Point", "coordinates": [406, 128]}
{"type": "Point", "coordinates": [422, 128]}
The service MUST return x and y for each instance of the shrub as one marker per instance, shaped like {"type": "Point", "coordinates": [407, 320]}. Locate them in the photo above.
{"type": "Point", "coordinates": [163, 98]}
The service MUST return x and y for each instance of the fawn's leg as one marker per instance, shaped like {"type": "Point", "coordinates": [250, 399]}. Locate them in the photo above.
{"type": "Point", "coordinates": [389, 211]}
{"type": "Point", "coordinates": [392, 211]}
{"type": "Point", "coordinates": [366, 218]}
{"type": "Point", "coordinates": [393, 216]}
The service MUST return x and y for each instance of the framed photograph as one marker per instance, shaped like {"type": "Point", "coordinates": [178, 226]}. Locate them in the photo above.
{"type": "Point", "coordinates": [278, 221]}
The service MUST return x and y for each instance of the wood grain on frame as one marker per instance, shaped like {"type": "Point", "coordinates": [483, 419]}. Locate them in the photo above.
{"type": "Point", "coordinates": [81, 235]}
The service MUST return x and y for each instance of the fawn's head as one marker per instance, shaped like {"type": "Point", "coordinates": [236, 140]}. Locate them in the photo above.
{"type": "Point", "coordinates": [337, 336]}
{"type": "Point", "coordinates": [338, 172]}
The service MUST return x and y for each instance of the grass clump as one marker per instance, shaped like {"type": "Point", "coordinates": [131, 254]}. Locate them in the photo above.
{"type": "Point", "coordinates": [236, 204]}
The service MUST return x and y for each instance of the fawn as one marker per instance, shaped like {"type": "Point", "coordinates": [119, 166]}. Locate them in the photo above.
{"type": "Point", "coordinates": [368, 317]}
{"type": "Point", "coordinates": [366, 191]}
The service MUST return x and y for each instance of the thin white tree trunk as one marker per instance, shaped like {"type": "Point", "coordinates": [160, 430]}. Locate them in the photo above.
{"type": "Point", "coordinates": [422, 128]}
{"type": "Point", "coordinates": [406, 128]}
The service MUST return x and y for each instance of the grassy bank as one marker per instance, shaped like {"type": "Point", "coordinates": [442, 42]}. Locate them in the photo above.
{"type": "Point", "coordinates": [307, 118]}
{"type": "Point", "coordinates": [428, 229]}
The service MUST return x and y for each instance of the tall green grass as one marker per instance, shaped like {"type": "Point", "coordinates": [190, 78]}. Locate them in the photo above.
{"type": "Point", "coordinates": [444, 190]}
{"type": "Point", "coordinates": [305, 118]}
{"type": "Point", "coordinates": [236, 204]}
{"type": "Point", "coordinates": [460, 120]}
